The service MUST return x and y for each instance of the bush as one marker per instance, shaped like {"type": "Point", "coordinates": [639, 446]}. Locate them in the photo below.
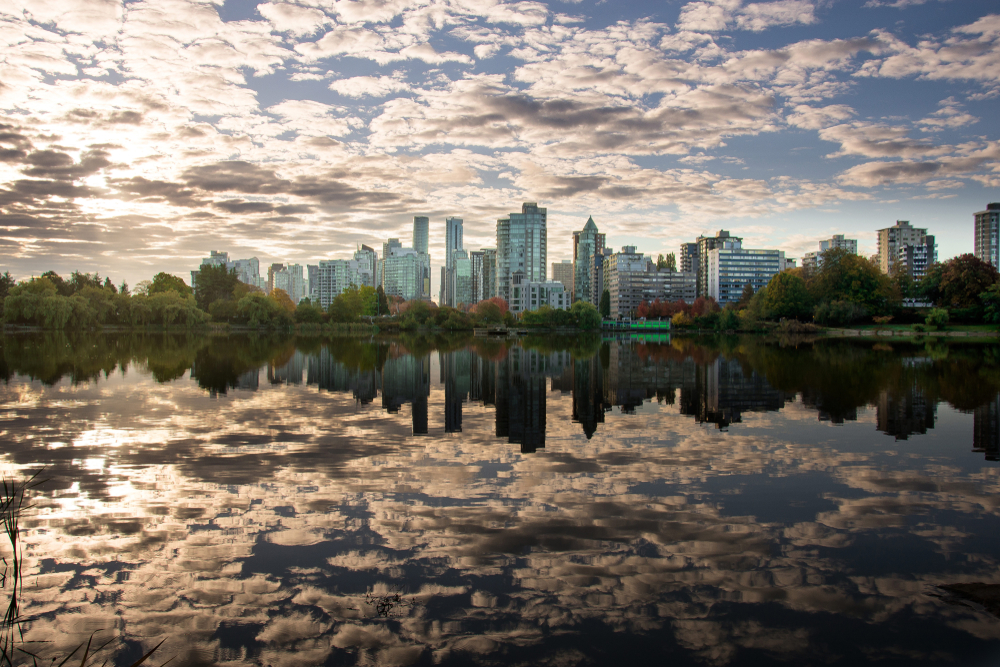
{"type": "Point", "coordinates": [938, 318]}
{"type": "Point", "coordinates": [839, 313]}
{"type": "Point", "coordinates": [681, 321]}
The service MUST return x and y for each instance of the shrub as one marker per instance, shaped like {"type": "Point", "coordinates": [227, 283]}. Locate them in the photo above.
{"type": "Point", "coordinates": [839, 313]}
{"type": "Point", "coordinates": [938, 318]}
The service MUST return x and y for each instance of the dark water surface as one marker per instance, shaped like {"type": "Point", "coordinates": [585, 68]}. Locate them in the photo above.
{"type": "Point", "coordinates": [717, 502]}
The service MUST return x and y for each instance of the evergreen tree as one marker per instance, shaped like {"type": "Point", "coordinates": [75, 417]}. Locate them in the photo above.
{"type": "Point", "coordinates": [605, 306]}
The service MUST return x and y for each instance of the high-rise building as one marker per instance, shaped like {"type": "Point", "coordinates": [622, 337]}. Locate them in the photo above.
{"type": "Point", "coordinates": [632, 278]}
{"type": "Point", "coordinates": [731, 267]}
{"type": "Point", "coordinates": [986, 244]}
{"type": "Point", "coordinates": [333, 276]}
{"type": "Point", "coordinates": [291, 280]}
{"type": "Point", "coordinates": [892, 249]}
{"type": "Point", "coordinates": [706, 244]}
{"type": "Point", "coordinates": [271, 270]}
{"type": "Point", "coordinates": [312, 276]}
{"type": "Point", "coordinates": [476, 261]}
{"type": "Point", "coordinates": [587, 244]}
{"type": "Point", "coordinates": [453, 242]}
{"type": "Point", "coordinates": [368, 264]}
{"type": "Point", "coordinates": [403, 271]}
{"type": "Point", "coordinates": [564, 272]}
{"type": "Point", "coordinates": [522, 245]}
{"type": "Point", "coordinates": [488, 275]}
{"type": "Point", "coordinates": [420, 246]}
{"type": "Point", "coordinates": [460, 287]}
{"type": "Point", "coordinates": [688, 259]}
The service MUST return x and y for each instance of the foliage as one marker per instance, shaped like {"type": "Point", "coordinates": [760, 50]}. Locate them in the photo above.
{"type": "Point", "coordinates": [990, 300]}
{"type": "Point", "coordinates": [786, 296]}
{"type": "Point", "coordinates": [681, 320]}
{"type": "Point", "coordinates": [488, 312]}
{"type": "Point", "coordinates": [605, 308]}
{"type": "Point", "coordinates": [307, 313]}
{"type": "Point", "coordinates": [746, 295]}
{"type": "Point", "coordinates": [937, 318]}
{"type": "Point", "coordinates": [499, 302]}
{"type": "Point", "coordinates": [281, 297]}
{"type": "Point", "coordinates": [958, 282]}
{"type": "Point", "coordinates": [350, 305]}
{"type": "Point", "coordinates": [585, 315]}
{"type": "Point", "coordinates": [257, 310]}
{"type": "Point", "coordinates": [669, 262]}
{"type": "Point", "coordinates": [728, 320]}
{"type": "Point", "coordinates": [844, 276]}
{"type": "Point", "coordinates": [381, 303]}
{"type": "Point", "coordinates": [417, 314]}
{"type": "Point", "coordinates": [213, 283]}
{"type": "Point", "coordinates": [164, 282]}
{"type": "Point", "coordinates": [6, 282]}
{"type": "Point", "coordinates": [838, 313]}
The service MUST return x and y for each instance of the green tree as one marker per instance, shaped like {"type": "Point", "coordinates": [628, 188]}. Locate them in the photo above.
{"type": "Point", "coordinates": [381, 304]}
{"type": "Point", "coordinates": [369, 299]}
{"type": "Point", "coordinates": [958, 282]}
{"type": "Point", "coordinates": [164, 282]}
{"type": "Point", "coordinates": [348, 306]}
{"type": "Point", "coordinates": [746, 295]}
{"type": "Point", "coordinates": [215, 283]}
{"type": "Point", "coordinates": [990, 300]}
{"type": "Point", "coordinates": [605, 307]}
{"type": "Point", "coordinates": [63, 288]}
{"type": "Point", "coordinates": [937, 318]}
{"type": "Point", "coordinates": [281, 297]}
{"type": "Point", "coordinates": [669, 262]}
{"type": "Point", "coordinates": [844, 276]}
{"type": "Point", "coordinates": [585, 315]}
{"type": "Point", "coordinates": [6, 282]}
{"type": "Point", "coordinates": [786, 297]}
{"type": "Point", "coordinates": [307, 313]}
{"type": "Point", "coordinates": [78, 281]}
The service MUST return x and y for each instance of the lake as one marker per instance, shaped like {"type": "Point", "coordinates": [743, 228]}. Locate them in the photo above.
{"type": "Point", "coordinates": [454, 500]}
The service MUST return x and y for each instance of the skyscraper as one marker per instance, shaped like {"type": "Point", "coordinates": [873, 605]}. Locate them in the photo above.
{"type": "Point", "coordinates": [985, 242]}
{"type": "Point", "coordinates": [910, 247]}
{"type": "Point", "coordinates": [563, 272]}
{"type": "Point", "coordinates": [453, 232]}
{"type": "Point", "coordinates": [706, 244]}
{"type": "Point", "coordinates": [522, 245]}
{"type": "Point", "coordinates": [587, 244]}
{"type": "Point", "coordinates": [420, 240]}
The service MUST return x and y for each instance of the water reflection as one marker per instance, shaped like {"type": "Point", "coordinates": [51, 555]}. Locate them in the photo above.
{"type": "Point", "coordinates": [691, 501]}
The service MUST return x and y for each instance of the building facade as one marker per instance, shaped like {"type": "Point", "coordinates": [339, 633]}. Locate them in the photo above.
{"type": "Point", "coordinates": [247, 270]}
{"type": "Point", "coordinates": [688, 258]}
{"type": "Point", "coordinates": [632, 278]}
{"type": "Point", "coordinates": [532, 295]}
{"type": "Point", "coordinates": [488, 275]}
{"type": "Point", "coordinates": [522, 245]}
{"type": "Point", "coordinates": [731, 267]}
{"type": "Point", "coordinates": [404, 271]}
{"type": "Point", "coordinates": [476, 263]}
{"type": "Point", "coordinates": [421, 237]}
{"type": "Point", "coordinates": [333, 276]}
{"type": "Point", "coordinates": [892, 244]}
{"type": "Point", "coordinates": [587, 244]}
{"type": "Point", "coordinates": [987, 228]}
{"type": "Point", "coordinates": [460, 288]}
{"type": "Point", "coordinates": [564, 272]}
{"type": "Point", "coordinates": [706, 244]}
{"type": "Point", "coordinates": [453, 242]}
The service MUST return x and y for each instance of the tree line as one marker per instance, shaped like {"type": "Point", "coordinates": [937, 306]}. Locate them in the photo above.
{"type": "Point", "coordinates": [845, 289]}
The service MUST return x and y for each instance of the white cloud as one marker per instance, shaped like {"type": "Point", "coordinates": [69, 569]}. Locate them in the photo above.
{"type": "Point", "coordinates": [719, 15]}
{"type": "Point", "coordinates": [818, 118]}
{"type": "Point", "coordinates": [372, 86]}
{"type": "Point", "coordinates": [293, 18]}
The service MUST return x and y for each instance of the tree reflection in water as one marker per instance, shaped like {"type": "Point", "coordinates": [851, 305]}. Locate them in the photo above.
{"type": "Point", "coordinates": [726, 501]}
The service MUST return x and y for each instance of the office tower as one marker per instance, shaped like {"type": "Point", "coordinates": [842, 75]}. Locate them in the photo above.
{"type": "Point", "coordinates": [587, 244]}
{"type": "Point", "coordinates": [987, 228]}
{"type": "Point", "coordinates": [368, 265]}
{"type": "Point", "coordinates": [912, 248]}
{"type": "Point", "coordinates": [522, 245]}
{"type": "Point", "coordinates": [476, 261]}
{"type": "Point", "coordinates": [333, 277]}
{"type": "Point", "coordinates": [688, 258]}
{"type": "Point", "coordinates": [730, 267]}
{"type": "Point", "coordinates": [488, 277]}
{"type": "Point", "coordinates": [403, 271]}
{"type": "Point", "coordinates": [453, 241]}
{"type": "Point", "coordinates": [706, 244]}
{"type": "Point", "coordinates": [598, 280]}
{"type": "Point", "coordinates": [460, 280]}
{"type": "Point", "coordinates": [312, 276]}
{"type": "Point", "coordinates": [420, 241]}
{"type": "Point", "coordinates": [564, 272]}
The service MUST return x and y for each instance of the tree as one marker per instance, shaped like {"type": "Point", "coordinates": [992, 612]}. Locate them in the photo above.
{"type": "Point", "coordinates": [307, 313]}
{"type": "Point", "coordinates": [123, 288]}
{"type": "Point", "coordinates": [961, 280]}
{"type": "Point", "coordinates": [369, 300]}
{"type": "Point", "coordinates": [63, 288]}
{"type": "Point", "coordinates": [6, 282]}
{"type": "Point", "coordinates": [585, 315]}
{"type": "Point", "coordinates": [215, 283]}
{"type": "Point", "coordinates": [844, 276]}
{"type": "Point", "coordinates": [164, 282]}
{"type": "Point", "coordinates": [669, 262]}
{"type": "Point", "coordinates": [281, 297]}
{"type": "Point", "coordinates": [108, 285]}
{"type": "Point", "coordinates": [381, 304]}
{"type": "Point", "coordinates": [786, 297]}
{"type": "Point", "coordinates": [348, 306]}
{"type": "Point", "coordinates": [605, 308]}
{"type": "Point", "coordinates": [78, 280]}
{"type": "Point", "coordinates": [746, 295]}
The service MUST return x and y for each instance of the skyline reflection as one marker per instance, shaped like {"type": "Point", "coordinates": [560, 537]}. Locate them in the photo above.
{"type": "Point", "coordinates": [716, 502]}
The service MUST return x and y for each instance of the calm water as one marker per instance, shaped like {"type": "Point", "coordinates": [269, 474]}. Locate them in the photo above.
{"type": "Point", "coordinates": [724, 502]}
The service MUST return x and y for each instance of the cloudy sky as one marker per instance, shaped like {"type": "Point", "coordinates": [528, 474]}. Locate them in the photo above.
{"type": "Point", "coordinates": [137, 136]}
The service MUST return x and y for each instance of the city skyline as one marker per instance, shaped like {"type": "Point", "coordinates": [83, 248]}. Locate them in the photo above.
{"type": "Point", "coordinates": [135, 140]}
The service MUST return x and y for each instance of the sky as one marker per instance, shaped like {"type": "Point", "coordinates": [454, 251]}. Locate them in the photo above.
{"type": "Point", "coordinates": [136, 137]}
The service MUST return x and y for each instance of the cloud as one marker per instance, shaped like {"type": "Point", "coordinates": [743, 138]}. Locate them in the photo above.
{"type": "Point", "coordinates": [293, 19]}
{"type": "Point", "coordinates": [719, 15]}
{"type": "Point", "coordinates": [818, 118]}
{"type": "Point", "coordinates": [373, 86]}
